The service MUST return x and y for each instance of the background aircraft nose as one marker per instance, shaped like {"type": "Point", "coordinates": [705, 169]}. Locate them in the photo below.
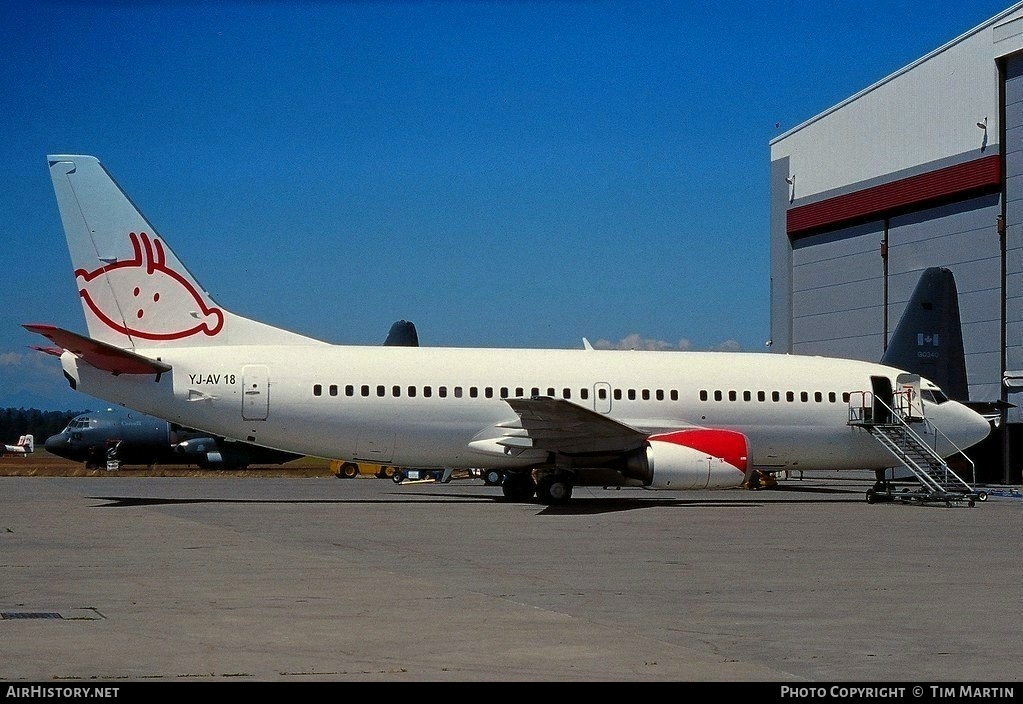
{"type": "Point", "coordinates": [55, 443]}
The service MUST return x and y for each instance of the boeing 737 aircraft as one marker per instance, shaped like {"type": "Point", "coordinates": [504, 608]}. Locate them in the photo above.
{"type": "Point", "coordinates": [549, 419]}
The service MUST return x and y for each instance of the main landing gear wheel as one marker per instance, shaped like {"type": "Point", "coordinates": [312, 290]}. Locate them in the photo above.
{"type": "Point", "coordinates": [554, 489]}
{"type": "Point", "coordinates": [518, 486]}
{"type": "Point", "coordinates": [492, 477]}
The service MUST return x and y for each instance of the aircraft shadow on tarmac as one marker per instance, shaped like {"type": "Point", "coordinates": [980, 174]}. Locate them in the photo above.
{"type": "Point", "coordinates": [586, 506]}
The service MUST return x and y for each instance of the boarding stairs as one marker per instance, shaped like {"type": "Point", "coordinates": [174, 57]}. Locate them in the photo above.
{"type": "Point", "coordinates": [892, 426]}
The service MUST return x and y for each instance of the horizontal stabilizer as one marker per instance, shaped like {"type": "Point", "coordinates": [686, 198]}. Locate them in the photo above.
{"type": "Point", "coordinates": [991, 410]}
{"type": "Point", "coordinates": [55, 351]}
{"type": "Point", "coordinates": [99, 354]}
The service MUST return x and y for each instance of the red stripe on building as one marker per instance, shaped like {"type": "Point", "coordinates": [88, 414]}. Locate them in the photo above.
{"type": "Point", "coordinates": [876, 201]}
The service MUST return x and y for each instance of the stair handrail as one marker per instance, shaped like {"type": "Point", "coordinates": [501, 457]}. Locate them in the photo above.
{"type": "Point", "coordinates": [922, 474]}
{"type": "Point", "coordinates": [973, 466]}
{"type": "Point", "coordinates": [899, 418]}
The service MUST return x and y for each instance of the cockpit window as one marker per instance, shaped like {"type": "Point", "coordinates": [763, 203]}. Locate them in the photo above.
{"type": "Point", "coordinates": [77, 423]}
{"type": "Point", "coordinates": [935, 396]}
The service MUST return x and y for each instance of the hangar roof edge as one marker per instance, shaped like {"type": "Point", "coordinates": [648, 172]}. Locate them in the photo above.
{"type": "Point", "coordinates": [905, 69]}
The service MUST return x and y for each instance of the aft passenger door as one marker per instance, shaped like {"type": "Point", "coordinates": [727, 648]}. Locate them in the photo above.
{"type": "Point", "coordinates": [255, 392]}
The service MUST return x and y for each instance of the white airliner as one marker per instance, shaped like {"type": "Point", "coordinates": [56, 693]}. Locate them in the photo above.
{"type": "Point", "coordinates": [26, 446]}
{"type": "Point", "coordinates": [548, 419]}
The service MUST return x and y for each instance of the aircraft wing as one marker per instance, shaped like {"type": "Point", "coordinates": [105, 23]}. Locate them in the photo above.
{"type": "Point", "coordinates": [557, 425]}
{"type": "Point", "coordinates": [101, 355]}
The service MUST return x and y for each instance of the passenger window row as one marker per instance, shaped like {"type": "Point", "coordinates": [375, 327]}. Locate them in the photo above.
{"type": "Point", "coordinates": [395, 391]}
{"type": "Point", "coordinates": [774, 396]}
{"type": "Point", "coordinates": [382, 390]}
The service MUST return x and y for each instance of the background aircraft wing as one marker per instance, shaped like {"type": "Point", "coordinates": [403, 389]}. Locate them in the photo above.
{"type": "Point", "coordinates": [557, 425]}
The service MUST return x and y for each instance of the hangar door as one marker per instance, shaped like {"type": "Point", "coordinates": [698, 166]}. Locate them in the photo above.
{"type": "Point", "coordinates": [838, 293]}
{"type": "Point", "coordinates": [1012, 148]}
{"type": "Point", "coordinates": [843, 286]}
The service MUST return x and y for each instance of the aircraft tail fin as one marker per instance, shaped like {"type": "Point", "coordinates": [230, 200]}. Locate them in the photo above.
{"type": "Point", "coordinates": [134, 290]}
{"type": "Point", "coordinates": [929, 337]}
{"type": "Point", "coordinates": [28, 442]}
{"type": "Point", "coordinates": [402, 334]}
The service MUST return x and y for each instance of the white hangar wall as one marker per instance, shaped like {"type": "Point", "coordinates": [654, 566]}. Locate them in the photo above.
{"type": "Point", "coordinates": [928, 110]}
{"type": "Point", "coordinates": [915, 171]}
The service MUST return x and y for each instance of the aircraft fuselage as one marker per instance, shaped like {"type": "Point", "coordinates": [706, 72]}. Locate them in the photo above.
{"type": "Point", "coordinates": [436, 407]}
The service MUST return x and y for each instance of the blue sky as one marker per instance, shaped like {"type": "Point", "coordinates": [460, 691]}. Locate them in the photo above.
{"type": "Point", "coordinates": [503, 174]}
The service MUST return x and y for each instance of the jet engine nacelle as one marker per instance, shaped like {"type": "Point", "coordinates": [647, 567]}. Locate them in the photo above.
{"type": "Point", "coordinates": [207, 453]}
{"type": "Point", "coordinates": [692, 459]}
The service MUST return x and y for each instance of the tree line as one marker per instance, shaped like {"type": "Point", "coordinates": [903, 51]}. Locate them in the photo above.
{"type": "Point", "coordinates": [15, 422]}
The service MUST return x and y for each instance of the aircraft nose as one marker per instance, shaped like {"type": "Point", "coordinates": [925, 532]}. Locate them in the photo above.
{"type": "Point", "coordinates": [973, 427]}
{"type": "Point", "coordinates": [55, 443]}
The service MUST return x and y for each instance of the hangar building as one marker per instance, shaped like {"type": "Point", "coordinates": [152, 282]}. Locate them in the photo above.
{"type": "Point", "coordinates": [922, 169]}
